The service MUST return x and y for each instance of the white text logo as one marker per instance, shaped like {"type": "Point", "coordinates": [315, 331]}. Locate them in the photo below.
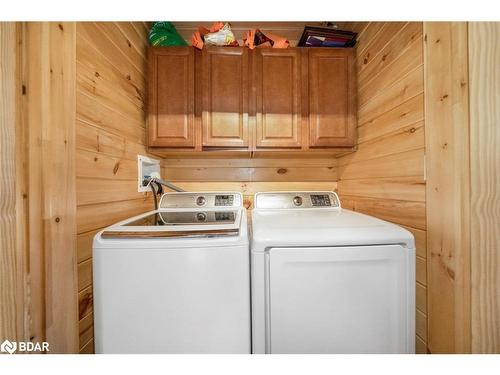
{"type": "Point", "coordinates": [22, 346]}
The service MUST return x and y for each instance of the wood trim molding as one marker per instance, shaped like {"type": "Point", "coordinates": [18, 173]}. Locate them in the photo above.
{"type": "Point", "coordinates": [447, 189]}
{"type": "Point", "coordinates": [12, 281]}
{"type": "Point", "coordinates": [49, 110]}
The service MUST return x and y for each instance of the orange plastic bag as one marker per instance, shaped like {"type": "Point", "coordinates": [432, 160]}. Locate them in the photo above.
{"type": "Point", "coordinates": [198, 38]}
{"type": "Point", "coordinates": [256, 38]}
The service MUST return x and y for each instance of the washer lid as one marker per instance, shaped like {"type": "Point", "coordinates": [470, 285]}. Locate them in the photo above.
{"type": "Point", "coordinates": [207, 217]}
{"type": "Point", "coordinates": [322, 227]}
{"type": "Point", "coordinates": [179, 223]}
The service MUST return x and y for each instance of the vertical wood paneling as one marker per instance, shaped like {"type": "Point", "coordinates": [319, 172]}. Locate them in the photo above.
{"type": "Point", "coordinates": [385, 176]}
{"type": "Point", "coordinates": [11, 254]}
{"type": "Point", "coordinates": [48, 107]}
{"type": "Point", "coordinates": [447, 145]}
{"type": "Point", "coordinates": [60, 201]}
{"type": "Point", "coordinates": [484, 78]}
{"type": "Point", "coordinates": [22, 189]}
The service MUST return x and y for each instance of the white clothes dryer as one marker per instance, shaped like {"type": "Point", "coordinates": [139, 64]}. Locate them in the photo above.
{"type": "Point", "coordinates": [329, 280]}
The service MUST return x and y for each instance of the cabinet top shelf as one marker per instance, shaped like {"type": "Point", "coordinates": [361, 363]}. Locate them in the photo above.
{"type": "Point", "coordinates": [255, 49]}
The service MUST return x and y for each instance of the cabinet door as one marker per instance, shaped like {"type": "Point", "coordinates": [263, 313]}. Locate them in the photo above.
{"type": "Point", "coordinates": [277, 84]}
{"type": "Point", "coordinates": [332, 107]}
{"type": "Point", "coordinates": [225, 96]}
{"type": "Point", "coordinates": [171, 97]}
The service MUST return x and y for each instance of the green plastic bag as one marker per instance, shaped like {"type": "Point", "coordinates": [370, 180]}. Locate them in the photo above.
{"type": "Point", "coordinates": [165, 34]}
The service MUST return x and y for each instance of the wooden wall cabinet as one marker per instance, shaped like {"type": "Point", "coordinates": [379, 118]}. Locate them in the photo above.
{"type": "Point", "coordinates": [332, 105]}
{"type": "Point", "coordinates": [225, 97]}
{"type": "Point", "coordinates": [171, 97]}
{"type": "Point", "coordinates": [294, 100]}
{"type": "Point", "coordinates": [277, 95]}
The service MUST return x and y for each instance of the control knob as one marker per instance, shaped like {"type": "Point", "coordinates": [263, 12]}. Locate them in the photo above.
{"type": "Point", "coordinates": [297, 201]}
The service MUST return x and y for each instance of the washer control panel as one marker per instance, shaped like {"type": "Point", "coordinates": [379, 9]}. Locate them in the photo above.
{"type": "Point", "coordinates": [202, 199]}
{"type": "Point", "coordinates": [224, 200]}
{"type": "Point", "coordinates": [300, 199]}
{"type": "Point", "coordinates": [320, 200]}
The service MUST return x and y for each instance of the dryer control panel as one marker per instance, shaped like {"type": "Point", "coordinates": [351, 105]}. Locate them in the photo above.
{"type": "Point", "coordinates": [201, 200]}
{"type": "Point", "coordinates": [297, 199]}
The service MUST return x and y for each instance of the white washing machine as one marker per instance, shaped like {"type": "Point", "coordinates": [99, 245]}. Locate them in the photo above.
{"type": "Point", "coordinates": [329, 280]}
{"type": "Point", "coordinates": [175, 280]}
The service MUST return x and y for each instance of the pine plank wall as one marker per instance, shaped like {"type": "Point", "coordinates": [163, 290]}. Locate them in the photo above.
{"type": "Point", "coordinates": [385, 176]}
{"type": "Point", "coordinates": [110, 132]}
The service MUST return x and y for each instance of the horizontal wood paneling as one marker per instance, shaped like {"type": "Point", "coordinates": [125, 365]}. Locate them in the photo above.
{"type": "Point", "coordinates": [110, 132]}
{"type": "Point", "coordinates": [95, 216]}
{"type": "Point", "coordinates": [249, 174]}
{"type": "Point", "coordinates": [387, 209]}
{"type": "Point", "coordinates": [107, 46]}
{"type": "Point", "coordinates": [407, 138]}
{"type": "Point", "coordinates": [99, 190]}
{"type": "Point", "coordinates": [90, 60]}
{"type": "Point", "coordinates": [85, 302]}
{"type": "Point", "coordinates": [384, 33]}
{"type": "Point", "coordinates": [366, 36]}
{"type": "Point", "coordinates": [404, 64]}
{"type": "Point", "coordinates": [420, 346]}
{"type": "Point", "coordinates": [84, 274]}
{"type": "Point", "coordinates": [385, 177]}
{"type": "Point", "coordinates": [421, 298]}
{"type": "Point", "coordinates": [421, 325]}
{"type": "Point", "coordinates": [420, 240]}
{"type": "Point", "coordinates": [88, 348]}
{"type": "Point", "coordinates": [250, 188]}
{"type": "Point", "coordinates": [100, 165]}
{"type": "Point", "coordinates": [99, 115]}
{"type": "Point", "coordinates": [405, 88]}
{"type": "Point", "coordinates": [400, 188]}
{"type": "Point", "coordinates": [86, 329]}
{"type": "Point", "coordinates": [395, 48]}
{"type": "Point", "coordinates": [421, 270]}
{"type": "Point", "coordinates": [251, 170]}
{"type": "Point", "coordinates": [84, 245]}
{"type": "Point", "coordinates": [404, 164]}
{"type": "Point", "coordinates": [405, 114]}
